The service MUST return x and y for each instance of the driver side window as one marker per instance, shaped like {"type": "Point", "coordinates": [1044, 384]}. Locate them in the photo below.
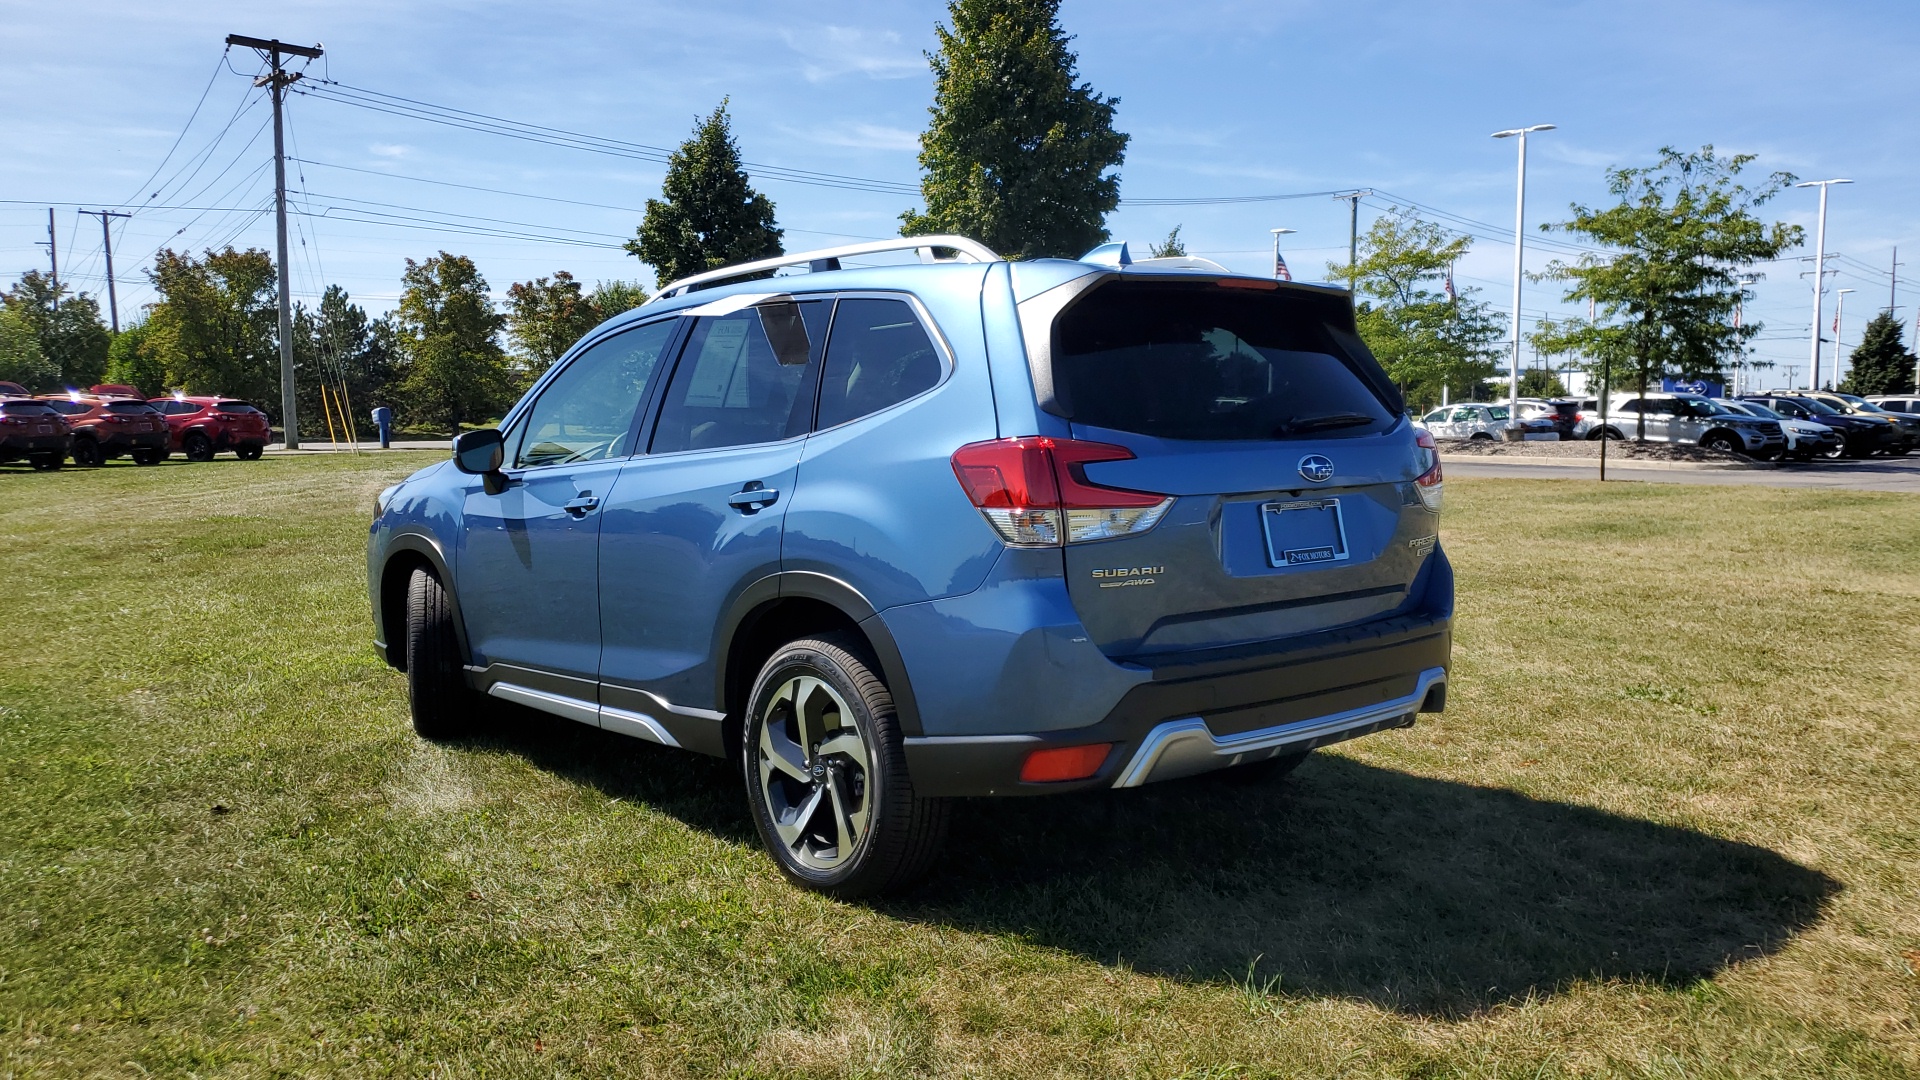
{"type": "Point", "coordinates": [586, 412]}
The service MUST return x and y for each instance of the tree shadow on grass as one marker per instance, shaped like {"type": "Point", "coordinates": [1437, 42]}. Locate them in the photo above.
{"type": "Point", "coordinates": [1428, 897]}
{"type": "Point", "coordinates": [1424, 896]}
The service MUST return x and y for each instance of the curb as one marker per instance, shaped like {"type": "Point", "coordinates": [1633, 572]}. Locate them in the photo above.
{"type": "Point", "coordinates": [1612, 462]}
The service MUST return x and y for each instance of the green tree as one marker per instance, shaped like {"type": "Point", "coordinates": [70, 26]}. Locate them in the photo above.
{"type": "Point", "coordinates": [1428, 341]}
{"type": "Point", "coordinates": [71, 335]}
{"type": "Point", "coordinates": [337, 346]}
{"type": "Point", "coordinates": [1019, 154]}
{"type": "Point", "coordinates": [610, 298]}
{"type": "Point", "coordinates": [545, 317]}
{"type": "Point", "coordinates": [216, 326]}
{"type": "Point", "coordinates": [1541, 383]}
{"type": "Point", "coordinates": [21, 360]}
{"type": "Point", "coordinates": [134, 359]}
{"type": "Point", "coordinates": [1680, 236]}
{"type": "Point", "coordinates": [1881, 362]}
{"type": "Point", "coordinates": [711, 216]}
{"type": "Point", "coordinates": [1170, 248]}
{"type": "Point", "coordinates": [448, 335]}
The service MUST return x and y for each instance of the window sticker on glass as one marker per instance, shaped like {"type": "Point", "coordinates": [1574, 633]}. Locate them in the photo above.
{"type": "Point", "coordinates": [718, 380]}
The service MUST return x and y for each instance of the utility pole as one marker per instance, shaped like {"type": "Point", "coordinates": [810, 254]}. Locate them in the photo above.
{"type": "Point", "coordinates": [1839, 310]}
{"type": "Point", "coordinates": [53, 258]}
{"type": "Point", "coordinates": [1819, 279]}
{"type": "Point", "coordinates": [1353, 234]}
{"type": "Point", "coordinates": [1893, 281]}
{"type": "Point", "coordinates": [277, 84]}
{"type": "Point", "coordinates": [106, 242]}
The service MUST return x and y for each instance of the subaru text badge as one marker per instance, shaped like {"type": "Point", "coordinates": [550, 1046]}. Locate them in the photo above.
{"type": "Point", "coordinates": [1317, 468]}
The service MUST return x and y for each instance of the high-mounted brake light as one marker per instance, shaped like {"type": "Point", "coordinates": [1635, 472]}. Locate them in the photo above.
{"type": "Point", "coordinates": [1025, 487]}
{"type": "Point", "coordinates": [1427, 458]}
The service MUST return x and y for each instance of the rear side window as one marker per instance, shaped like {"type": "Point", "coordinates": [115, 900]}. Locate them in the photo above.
{"type": "Point", "coordinates": [235, 407]}
{"type": "Point", "coordinates": [1181, 361]}
{"type": "Point", "coordinates": [879, 355]}
{"type": "Point", "coordinates": [130, 407]}
{"type": "Point", "coordinates": [733, 387]}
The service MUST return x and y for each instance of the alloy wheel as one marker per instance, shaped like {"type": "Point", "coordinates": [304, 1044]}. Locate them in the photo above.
{"type": "Point", "coordinates": [815, 771]}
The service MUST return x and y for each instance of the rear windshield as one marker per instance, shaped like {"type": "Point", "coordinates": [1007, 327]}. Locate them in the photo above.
{"type": "Point", "coordinates": [1196, 361]}
{"type": "Point", "coordinates": [236, 407]}
{"type": "Point", "coordinates": [68, 408]}
{"type": "Point", "coordinates": [24, 408]}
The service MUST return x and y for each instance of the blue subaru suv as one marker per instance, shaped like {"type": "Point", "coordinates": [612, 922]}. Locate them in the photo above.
{"type": "Point", "coordinates": [892, 534]}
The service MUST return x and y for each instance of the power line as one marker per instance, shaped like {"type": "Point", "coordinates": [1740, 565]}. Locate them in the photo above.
{"type": "Point", "coordinates": [177, 139]}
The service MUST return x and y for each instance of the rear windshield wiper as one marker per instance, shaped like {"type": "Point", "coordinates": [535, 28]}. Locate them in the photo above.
{"type": "Point", "coordinates": [1322, 423]}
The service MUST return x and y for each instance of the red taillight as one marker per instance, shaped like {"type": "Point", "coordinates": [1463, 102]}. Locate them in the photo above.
{"type": "Point", "coordinates": [1059, 763]}
{"type": "Point", "coordinates": [1427, 484]}
{"type": "Point", "coordinates": [1023, 486]}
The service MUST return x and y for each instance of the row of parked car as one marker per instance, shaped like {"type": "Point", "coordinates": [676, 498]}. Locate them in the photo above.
{"type": "Point", "coordinates": [112, 421]}
{"type": "Point", "coordinates": [1798, 424]}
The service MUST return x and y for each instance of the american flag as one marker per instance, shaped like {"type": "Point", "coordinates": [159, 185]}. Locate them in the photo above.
{"type": "Point", "coordinates": [1280, 266]}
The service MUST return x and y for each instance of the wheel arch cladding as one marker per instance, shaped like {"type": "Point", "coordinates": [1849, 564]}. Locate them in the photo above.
{"type": "Point", "coordinates": [773, 621]}
{"type": "Point", "coordinates": [406, 554]}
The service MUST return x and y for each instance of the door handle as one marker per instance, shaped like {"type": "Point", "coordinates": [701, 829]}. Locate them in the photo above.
{"type": "Point", "coordinates": [581, 506]}
{"type": "Point", "coordinates": [752, 498]}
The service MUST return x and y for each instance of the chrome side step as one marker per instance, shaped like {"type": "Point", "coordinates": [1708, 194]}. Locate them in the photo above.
{"type": "Point", "coordinates": [1185, 747]}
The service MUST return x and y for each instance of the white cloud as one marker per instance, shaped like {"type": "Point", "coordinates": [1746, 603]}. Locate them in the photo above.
{"type": "Point", "coordinates": [863, 136]}
{"type": "Point", "coordinates": [390, 150]}
{"type": "Point", "coordinates": [832, 51]}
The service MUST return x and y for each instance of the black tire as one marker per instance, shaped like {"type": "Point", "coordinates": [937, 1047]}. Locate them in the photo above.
{"type": "Point", "coordinates": [902, 832]}
{"type": "Point", "coordinates": [437, 692]}
{"type": "Point", "coordinates": [1837, 450]}
{"type": "Point", "coordinates": [197, 446]}
{"type": "Point", "coordinates": [47, 462]}
{"type": "Point", "coordinates": [1267, 771]}
{"type": "Point", "coordinates": [148, 455]}
{"type": "Point", "coordinates": [87, 454]}
{"type": "Point", "coordinates": [1723, 442]}
{"type": "Point", "coordinates": [249, 452]}
{"type": "Point", "coordinates": [1480, 436]}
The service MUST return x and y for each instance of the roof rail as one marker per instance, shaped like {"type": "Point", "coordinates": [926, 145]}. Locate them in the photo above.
{"type": "Point", "coordinates": [829, 259]}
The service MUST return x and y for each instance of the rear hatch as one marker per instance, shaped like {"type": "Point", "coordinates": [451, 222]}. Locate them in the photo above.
{"type": "Point", "coordinates": [1281, 441]}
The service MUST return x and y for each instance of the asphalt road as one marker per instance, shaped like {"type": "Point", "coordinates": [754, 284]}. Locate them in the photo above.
{"type": "Point", "coordinates": [1873, 474]}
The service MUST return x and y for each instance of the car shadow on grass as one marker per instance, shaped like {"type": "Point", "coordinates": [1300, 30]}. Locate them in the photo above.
{"type": "Point", "coordinates": [1428, 897]}
{"type": "Point", "coordinates": [1425, 896]}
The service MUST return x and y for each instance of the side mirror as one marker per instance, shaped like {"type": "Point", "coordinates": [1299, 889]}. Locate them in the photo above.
{"type": "Point", "coordinates": [481, 453]}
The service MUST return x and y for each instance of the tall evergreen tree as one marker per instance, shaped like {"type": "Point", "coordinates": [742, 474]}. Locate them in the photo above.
{"type": "Point", "coordinates": [72, 337]}
{"type": "Point", "coordinates": [1019, 154]}
{"type": "Point", "coordinates": [710, 216]}
{"type": "Point", "coordinates": [448, 335]}
{"type": "Point", "coordinates": [1680, 235]}
{"type": "Point", "coordinates": [337, 346]}
{"type": "Point", "coordinates": [1881, 362]}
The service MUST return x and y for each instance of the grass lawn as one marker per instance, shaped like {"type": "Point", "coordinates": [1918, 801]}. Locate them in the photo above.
{"type": "Point", "coordinates": [1669, 827]}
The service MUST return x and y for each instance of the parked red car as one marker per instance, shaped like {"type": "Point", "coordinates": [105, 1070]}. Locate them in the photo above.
{"type": "Point", "coordinates": [31, 430]}
{"type": "Point", "coordinates": [106, 426]}
{"type": "Point", "coordinates": [204, 426]}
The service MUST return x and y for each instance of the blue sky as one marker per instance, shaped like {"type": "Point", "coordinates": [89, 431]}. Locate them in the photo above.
{"type": "Point", "coordinates": [1222, 100]}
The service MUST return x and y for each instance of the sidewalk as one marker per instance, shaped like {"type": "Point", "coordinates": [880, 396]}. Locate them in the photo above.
{"type": "Point", "coordinates": [322, 446]}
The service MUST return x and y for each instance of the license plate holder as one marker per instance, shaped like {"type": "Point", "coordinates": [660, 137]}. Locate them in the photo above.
{"type": "Point", "coordinates": [1304, 532]}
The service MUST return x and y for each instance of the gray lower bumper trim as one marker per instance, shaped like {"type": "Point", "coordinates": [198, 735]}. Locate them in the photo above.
{"type": "Point", "coordinates": [1178, 748]}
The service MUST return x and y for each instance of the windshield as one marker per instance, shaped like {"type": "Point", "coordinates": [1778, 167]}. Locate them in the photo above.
{"type": "Point", "coordinates": [1187, 361]}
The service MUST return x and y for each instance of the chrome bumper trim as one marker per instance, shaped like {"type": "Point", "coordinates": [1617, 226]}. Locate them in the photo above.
{"type": "Point", "coordinates": [1176, 748]}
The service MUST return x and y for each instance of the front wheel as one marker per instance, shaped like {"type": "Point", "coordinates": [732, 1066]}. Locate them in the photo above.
{"type": "Point", "coordinates": [437, 692]}
{"type": "Point", "coordinates": [1722, 442]}
{"type": "Point", "coordinates": [826, 773]}
{"type": "Point", "coordinates": [1836, 451]}
{"type": "Point", "coordinates": [47, 462]}
{"type": "Point", "coordinates": [249, 452]}
{"type": "Point", "coordinates": [88, 454]}
{"type": "Point", "coordinates": [148, 455]}
{"type": "Point", "coordinates": [197, 446]}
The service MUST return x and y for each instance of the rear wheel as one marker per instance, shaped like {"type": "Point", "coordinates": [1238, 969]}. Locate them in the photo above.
{"type": "Point", "coordinates": [47, 462]}
{"type": "Point", "coordinates": [197, 446]}
{"type": "Point", "coordinates": [87, 453]}
{"type": "Point", "coordinates": [826, 773]}
{"type": "Point", "coordinates": [1481, 436]}
{"type": "Point", "coordinates": [1721, 441]}
{"type": "Point", "coordinates": [437, 692]}
{"type": "Point", "coordinates": [249, 452]}
{"type": "Point", "coordinates": [148, 455]}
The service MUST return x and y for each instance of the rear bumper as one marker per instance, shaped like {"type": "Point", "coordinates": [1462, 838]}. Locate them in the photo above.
{"type": "Point", "coordinates": [1226, 708]}
{"type": "Point", "coordinates": [119, 442]}
{"type": "Point", "coordinates": [20, 446]}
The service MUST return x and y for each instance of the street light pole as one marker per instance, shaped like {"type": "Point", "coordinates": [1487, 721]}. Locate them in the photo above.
{"type": "Point", "coordinates": [1277, 234]}
{"type": "Point", "coordinates": [1839, 312]}
{"type": "Point", "coordinates": [1740, 310]}
{"type": "Point", "coordinates": [1519, 270]}
{"type": "Point", "coordinates": [1819, 280]}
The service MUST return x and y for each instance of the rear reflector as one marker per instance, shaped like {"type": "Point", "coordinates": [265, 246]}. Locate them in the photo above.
{"type": "Point", "coordinates": [1064, 763]}
{"type": "Point", "coordinates": [1025, 487]}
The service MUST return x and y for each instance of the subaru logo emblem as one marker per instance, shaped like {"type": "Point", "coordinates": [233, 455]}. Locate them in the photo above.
{"type": "Point", "coordinates": [1317, 468]}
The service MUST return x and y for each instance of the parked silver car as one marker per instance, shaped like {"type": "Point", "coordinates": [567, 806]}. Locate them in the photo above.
{"type": "Point", "coordinates": [1805, 439]}
{"type": "Point", "coordinates": [1692, 419]}
{"type": "Point", "coordinates": [1478, 420]}
{"type": "Point", "coordinates": [1903, 404]}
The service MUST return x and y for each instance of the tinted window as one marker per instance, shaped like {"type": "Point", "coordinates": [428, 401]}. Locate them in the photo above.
{"type": "Point", "coordinates": [235, 407]}
{"type": "Point", "coordinates": [732, 388]}
{"type": "Point", "coordinates": [68, 408]}
{"type": "Point", "coordinates": [180, 408]}
{"type": "Point", "coordinates": [1434, 417]}
{"type": "Point", "coordinates": [1203, 362]}
{"type": "Point", "coordinates": [130, 407]}
{"type": "Point", "coordinates": [586, 412]}
{"type": "Point", "coordinates": [24, 408]}
{"type": "Point", "coordinates": [878, 356]}
{"type": "Point", "coordinates": [1465, 416]}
